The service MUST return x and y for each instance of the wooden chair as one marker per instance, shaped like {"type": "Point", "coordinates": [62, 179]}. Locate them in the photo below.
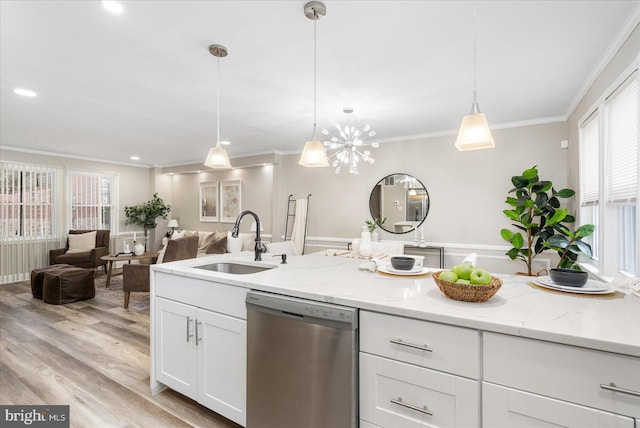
{"type": "Point", "coordinates": [136, 276]}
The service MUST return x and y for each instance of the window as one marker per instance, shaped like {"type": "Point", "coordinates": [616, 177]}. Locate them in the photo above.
{"type": "Point", "coordinates": [92, 201]}
{"type": "Point", "coordinates": [609, 167]}
{"type": "Point", "coordinates": [26, 201]}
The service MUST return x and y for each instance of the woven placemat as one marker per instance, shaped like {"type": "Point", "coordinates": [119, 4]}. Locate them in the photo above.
{"type": "Point", "coordinates": [608, 296]}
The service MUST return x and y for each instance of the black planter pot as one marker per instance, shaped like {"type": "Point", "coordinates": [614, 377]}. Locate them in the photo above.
{"type": "Point", "coordinates": [568, 277]}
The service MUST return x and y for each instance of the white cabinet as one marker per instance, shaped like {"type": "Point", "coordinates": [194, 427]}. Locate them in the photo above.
{"type": "Point", "coordinates": [506, 407]}
{"type": "Point", "coordinates": [527, 380]}
{"type": "Point", "coordinates": [403, 379]}
{"type": "Point", "coordinates": [199, 342]}
{"type": "Point", "coordinates": [202, 354]}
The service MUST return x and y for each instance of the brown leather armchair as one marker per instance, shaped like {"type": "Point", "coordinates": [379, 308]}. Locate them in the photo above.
{"type": "Point", "coordinates": [136, 276]}
{"type": "Point", "coordinates": [90, 259]}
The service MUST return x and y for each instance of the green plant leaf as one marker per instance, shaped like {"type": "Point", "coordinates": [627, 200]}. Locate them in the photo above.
{"type": "Point", "coordinates": [541, 199]}
{"type": "Point", "coordinates": [542, 186]}
{"type": "Point", "coordinates": [512, 201]}
{"type": "Point", "coordinates": [512, 214]}
{"type": "Point", "coordinates": [513, 253]}
{"type": "Point", "coordinates": [584, 248]}
{"type": "Point", "coordinates": [565, 193]}
{"type": "Point", "coordinates": [506, 234]}
{"type": "Point", "coordinates": [554, 202]}
{"type": "Point", "coordinates": [530, 173]}
{"type": "Point", "coordinates": [584, 231]}
{"type": "Point", "coordinates": [557, 241]}
{"type": "Point", "coordinates": [517, 240]}
{"type": "Point", "coordinates": [557, 216]}
{"type": "Point", "coordinates": [519, 182]}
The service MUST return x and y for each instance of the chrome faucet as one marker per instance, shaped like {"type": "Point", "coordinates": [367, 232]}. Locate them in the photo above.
{"type": "Point", "coordinates": [259, 249]}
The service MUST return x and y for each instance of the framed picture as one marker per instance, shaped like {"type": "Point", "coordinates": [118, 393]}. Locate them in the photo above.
{"type": "Point", "coordinates": [230, 200]}
{"type": "Point", "coordinates": [208, 201]}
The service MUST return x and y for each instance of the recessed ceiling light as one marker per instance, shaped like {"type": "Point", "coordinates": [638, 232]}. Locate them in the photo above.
{"type": "Point", "coordinates": [25, 92]}
{"type": "Point", "coordinates": [112, 6]}
{"type": "Point", "coordinates": [226, 143]}
{"type": "Point", "coordinates": [135, 157]}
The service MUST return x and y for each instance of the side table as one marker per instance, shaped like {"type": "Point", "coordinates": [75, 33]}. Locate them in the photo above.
{"type": "Point", "coordinates": [118, 258]}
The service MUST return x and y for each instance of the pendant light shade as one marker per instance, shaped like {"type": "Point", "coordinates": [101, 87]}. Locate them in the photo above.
{"type": "Point", "coordinates": [218, 157]}
{"type": "Point", "coordinates": [314, 154]}
{"type": "Point", "coordinates": [474, 131]}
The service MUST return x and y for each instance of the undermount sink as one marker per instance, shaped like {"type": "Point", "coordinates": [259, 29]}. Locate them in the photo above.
{"type": "Point", "coordinates": [234, 268]}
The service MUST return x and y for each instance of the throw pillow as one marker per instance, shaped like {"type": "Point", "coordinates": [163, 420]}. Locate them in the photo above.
{"type": "Point", "coordinates": [83, 242]}
{"type": "Point", "coordinates": [177, 234]}
{"type": "Point", "coordinates": [161, 255]}
{"type": "Point", "coordinates": [217, 247]}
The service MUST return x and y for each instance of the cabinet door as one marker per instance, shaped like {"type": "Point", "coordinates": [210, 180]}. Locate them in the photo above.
{"type": "Point", "coordinates": [504, 407]}
{"type": "Point", "coordinates": [395, 394]}
{"type": "Point", "coordinates": [176, 356]}
{"type": "Point", "coordinates": [222, 361]}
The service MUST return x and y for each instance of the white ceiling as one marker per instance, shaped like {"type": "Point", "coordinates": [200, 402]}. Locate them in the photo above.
{"type": "Point", "coordinates": [143, 83]}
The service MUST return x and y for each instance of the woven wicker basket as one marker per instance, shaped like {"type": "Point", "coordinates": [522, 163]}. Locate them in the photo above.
{"type": "Point", "coordinates": [468, 292]}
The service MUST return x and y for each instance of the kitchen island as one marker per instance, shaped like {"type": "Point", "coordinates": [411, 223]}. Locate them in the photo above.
{"type": "Point", "coordinates": [525, 350]}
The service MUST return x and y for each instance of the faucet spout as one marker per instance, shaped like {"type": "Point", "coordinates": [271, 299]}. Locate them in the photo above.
{"type": "Point", "coordinates": [259, 248]}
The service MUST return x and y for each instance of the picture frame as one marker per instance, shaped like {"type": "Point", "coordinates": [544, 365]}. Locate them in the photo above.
{"type": "Point", "coordinates": [208, 202]}
{"type": "Point", "coordinates": [230, 200]}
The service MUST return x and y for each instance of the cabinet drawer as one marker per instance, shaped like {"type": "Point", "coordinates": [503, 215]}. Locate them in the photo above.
{"type": "Point", "coordinates": [451, 349]}
{"type": "Point", "coordinates": [395, 394]}
{"type": "Point", "coordinates": [505, 407]}
{"type": "Point", "coordinates": [565, 372]}
{"type": "Point", "coordinates": [214, 296]}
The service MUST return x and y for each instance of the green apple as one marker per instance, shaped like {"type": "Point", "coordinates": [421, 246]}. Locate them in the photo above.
{"type": "Point", "coordinates": [480, 276]}
{"type": "Point", "coordinates": [463, 281]}
{"type": "Point", "coordinates": [447, 275]}
{"type": "Point", "coordinates": [463, 270]}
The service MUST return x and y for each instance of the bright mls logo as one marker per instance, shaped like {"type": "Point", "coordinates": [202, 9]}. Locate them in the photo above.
{"type": "Point", "coordinates": [34, 416]}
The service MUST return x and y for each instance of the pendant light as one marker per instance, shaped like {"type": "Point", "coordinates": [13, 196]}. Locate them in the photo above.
{"type": "Point", "coordinates": [474, 131]}
{"type": "Point", "coordinates": [218, 157]}
{"type": "Point", "coordinates": [314, 154]}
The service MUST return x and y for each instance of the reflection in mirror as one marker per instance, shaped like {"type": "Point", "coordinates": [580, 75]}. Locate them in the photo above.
{"type": "Point", "coordinates": [400, 202]}
{"type": "Point", "coordinates": [208, 201]}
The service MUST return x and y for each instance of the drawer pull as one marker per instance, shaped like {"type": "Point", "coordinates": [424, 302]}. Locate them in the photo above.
{"type": "Point", "coordinates": [424, 410]}
{"type": "Point", "coordinates": [198, 339]}
{"type": "Point", "coordinates": [411, 345]}
{"type": "Point", "coordinates": [612, 387]}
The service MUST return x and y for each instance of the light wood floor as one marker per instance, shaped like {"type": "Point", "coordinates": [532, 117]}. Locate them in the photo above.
{"type": "Point", "coordinates": [91, 355]}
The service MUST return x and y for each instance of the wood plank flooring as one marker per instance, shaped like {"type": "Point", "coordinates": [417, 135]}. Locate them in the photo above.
{"type": "Point", "coordinates": [92, 355]}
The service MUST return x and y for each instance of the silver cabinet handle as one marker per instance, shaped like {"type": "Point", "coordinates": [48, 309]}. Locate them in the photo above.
{"type": "Point", "coordinates": [411, 345]}
{"type": "Point", "coordinates": [198, 339]}
{"type": "Point", "coordinates": [612, 387]}
{"type": "Point", "coordinates": [424, 410]}
{"type": "Point", "coordinates": [188, 322]}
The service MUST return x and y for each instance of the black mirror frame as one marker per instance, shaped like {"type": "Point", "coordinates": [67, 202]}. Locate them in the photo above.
{"type": "Point", "coordinates": [426, 213]}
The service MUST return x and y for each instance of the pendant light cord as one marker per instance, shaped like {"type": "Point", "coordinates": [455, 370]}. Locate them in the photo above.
{"type": "Point", "coordinates": [218, 112]}
{"type": "Point", "coordinates": [475, 52]}
{"type": "Point", "coordinates": [314, 135]}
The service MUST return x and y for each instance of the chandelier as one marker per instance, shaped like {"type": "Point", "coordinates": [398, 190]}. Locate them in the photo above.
{"type": "Point", "coordinates": [349, 144]}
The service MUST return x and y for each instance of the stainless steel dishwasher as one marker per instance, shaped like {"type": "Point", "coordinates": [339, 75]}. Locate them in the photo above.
{"type": "Point", "coordinates": [302, 363]}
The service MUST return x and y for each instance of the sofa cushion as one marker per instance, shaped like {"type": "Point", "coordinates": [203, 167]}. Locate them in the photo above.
{"type": "Point", "coordinates": [177, 235]}
{"type": "Point", "coordinates": [81, 243]}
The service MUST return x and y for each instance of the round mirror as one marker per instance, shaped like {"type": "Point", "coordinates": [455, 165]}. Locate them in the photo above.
{"type": "Point", "coordinates": [399, 203]}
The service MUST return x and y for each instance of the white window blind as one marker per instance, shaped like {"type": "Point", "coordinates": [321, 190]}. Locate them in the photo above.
{"type": "Point", "coordinates": [622, 147]}
{"type": "Point", "coordinates": [590, 162]}
{"type": "Point", "coordinates": [91, 200]}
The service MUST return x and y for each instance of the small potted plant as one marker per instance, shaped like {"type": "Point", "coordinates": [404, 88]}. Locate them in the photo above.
{"type": "Point", "coordinates": [372, 225]}
{"type": "Point", "coordinates": [570, 246]}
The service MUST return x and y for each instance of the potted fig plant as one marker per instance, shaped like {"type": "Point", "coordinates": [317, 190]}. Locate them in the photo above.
{"type": "Point", "coordinates": [570, 246]}
{"type": "Point", "coordinates": [145, 214]}
{"type": "Point", "coordinates": [536, 215]}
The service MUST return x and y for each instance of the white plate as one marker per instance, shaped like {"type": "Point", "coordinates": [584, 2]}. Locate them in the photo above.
{"type": "Point", "coordinates": [416, 271]}
{"type": "Point", "coordinates": [591, 287]}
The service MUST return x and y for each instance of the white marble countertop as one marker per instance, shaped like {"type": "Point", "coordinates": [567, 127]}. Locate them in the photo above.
{"type": "Point", "coordinates": [611, 324]}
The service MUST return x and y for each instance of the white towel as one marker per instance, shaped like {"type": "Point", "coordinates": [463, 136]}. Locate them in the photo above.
{"type": "Point", "coordinates": [299, 225]}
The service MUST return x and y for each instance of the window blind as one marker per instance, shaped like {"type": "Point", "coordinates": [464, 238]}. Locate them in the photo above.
{"type": "Point", "coordinates": [622, 147]}
{"type": "Point", "coordinates": [590, 162]}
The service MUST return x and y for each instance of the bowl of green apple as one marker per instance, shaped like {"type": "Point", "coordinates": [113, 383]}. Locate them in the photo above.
{"type": "Point", "coordinates": [467, 283]}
